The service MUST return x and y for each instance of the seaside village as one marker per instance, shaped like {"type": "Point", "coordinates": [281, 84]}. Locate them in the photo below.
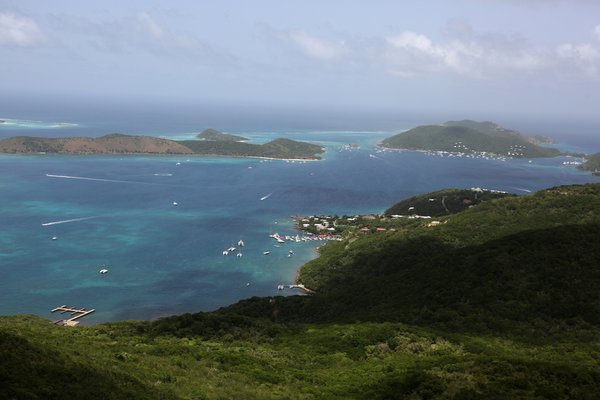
{"type": "Point", "coordinates": [332, 227]}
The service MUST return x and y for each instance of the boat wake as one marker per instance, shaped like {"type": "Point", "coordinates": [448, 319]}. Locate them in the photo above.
{"type": "Point", "coordinates": [65, 221]}
{"type": "Point", "coordinates": [84, 178]}
{"type": "Point", "coordinates": [266, 197]}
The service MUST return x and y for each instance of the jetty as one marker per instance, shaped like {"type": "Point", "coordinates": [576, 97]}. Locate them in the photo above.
{"type": "Point", "coordinates": [76, 313]}
{"type": "Point", "coordinates": [298, 286]}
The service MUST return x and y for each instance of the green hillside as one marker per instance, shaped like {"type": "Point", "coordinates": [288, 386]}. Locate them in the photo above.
{"type": "Point", "coordinates": [213, 134]}
{"type": "Point", "coordinates": [500, 301]}
{"type": "Point", "coordinates": [443, 202]}
{"type": "Point", "coordinates": [592, 163]}
{"type": "Point", "coordinates": [468, 137]}
{"type": "Point", "coordinates": [126, 144]}
{"type": "Point", "coordinates": [278, 148]}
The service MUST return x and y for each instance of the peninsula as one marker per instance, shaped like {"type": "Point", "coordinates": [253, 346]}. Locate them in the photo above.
{"type": "Point", "coordinates": [126, 144]}
{"type": "Point", "coordinates": [592, 163]}
{"type": "Point", "coordinates": [469, 137]}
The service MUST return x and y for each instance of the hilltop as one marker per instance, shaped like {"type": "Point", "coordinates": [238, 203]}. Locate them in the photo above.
{"type": "Point", "coordinates": [109, 144]}
{"type": "Point", "coordinates": [499, 301]}
{"type": "Point", "coordinates": [469, 137]}
{"type": "Point", "coordinates": [444, 202]}
{"type": "Point", "coordinates": [215, 135]}
{"type": "Point", "coordinates": [127, 144]}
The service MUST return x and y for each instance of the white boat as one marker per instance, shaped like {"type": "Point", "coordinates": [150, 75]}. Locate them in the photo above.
{"type": "Point", "coordinates": [175, 204]}
{"type": "Point", "coordinates": [241, 243]}
{"type": "Point", "coordinates": [266, 252]}
{"type": "Point", "coordinates": [54, 237]}
{"type": "Point", "coordinates": [103, 271]}
{"type": "Point", "coordinates": [239, 254]}
{"type": "Point", "coordinates": [225, 253]}
{"type": "Point", "coordinates": [231, 249]}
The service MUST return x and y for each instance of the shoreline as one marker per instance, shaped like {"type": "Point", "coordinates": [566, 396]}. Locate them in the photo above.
{"type": "Point", "coordinates": [157, 155]}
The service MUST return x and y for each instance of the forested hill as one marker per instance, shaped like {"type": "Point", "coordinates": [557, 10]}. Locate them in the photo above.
{"type": "Point", "coordinates": [278, 148]}
{"type": "Point", "coordinates": [127, 144]}
{"type": "Point", "coordinates": [215, 135]}
{"type": "Point", "coordinates": [443, 202]}
{"type": "Point", "coordinates": [496, 301]}
{"type": "Point", "coordinates": [592, 163]}
{"type": "Point", "coordinates": [469, 137]}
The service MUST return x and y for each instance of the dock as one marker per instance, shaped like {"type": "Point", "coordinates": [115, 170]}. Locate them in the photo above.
{"type": "Point", "coordinates": [298, 286]}
{"type": "Point", "coordinates": [76, 313]}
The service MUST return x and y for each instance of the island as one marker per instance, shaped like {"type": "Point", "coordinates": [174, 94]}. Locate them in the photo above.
{"type": "Point", "coordinates": [591, 163]}
{"type": "Point", "coordinates": [215, 135]}
{"type": "Point", "coordinates": [469, 137]}
{"type": "Point", "coordinates": [497, 301]}
{"type": "Point", "coordinates": [126, 144]}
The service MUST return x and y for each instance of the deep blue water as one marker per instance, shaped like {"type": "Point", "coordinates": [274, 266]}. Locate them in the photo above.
{"type": "Point", "coordinates": [164, 259]}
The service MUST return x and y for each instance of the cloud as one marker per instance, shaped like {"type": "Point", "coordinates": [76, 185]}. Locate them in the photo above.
{"type": "Point", "coordinates": [459, 51]}
{"type": "Point", "coordinates": [410, 53]}
{"type": "Point", "coordinates": [580, 57]}
{"type": "Point", "coordinates": [18, 31]}
{"type": "Point", "coordinates": [317, 48]}
{"type": "Point", "coordinates": [139, 33]}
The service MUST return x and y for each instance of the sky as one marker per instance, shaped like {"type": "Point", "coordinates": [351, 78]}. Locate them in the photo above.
{"type": "Point", "coordinates": [522, 57]}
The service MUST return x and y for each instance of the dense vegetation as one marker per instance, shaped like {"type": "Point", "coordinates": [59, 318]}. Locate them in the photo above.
{"type": "Point", "coordinates": [443, 202]}
{"type": "Point", "coordinates": [498, 302]}
{"type": "Point", "coordinates": [592, 163]}
{"type": "Point", "coordinates": [468, 137]}
{"type": "Point", "coordinates": [126, 144]}
{"type": "Point", "coordinates": [213, 134]}
{"type": "Point", "coordinates": [278, 148]}
{"type": "Point", "coordinates": [109, 144]}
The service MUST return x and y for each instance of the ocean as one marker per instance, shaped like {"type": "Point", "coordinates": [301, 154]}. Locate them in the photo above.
{"type": "Point", "coordinates": [118, 212]}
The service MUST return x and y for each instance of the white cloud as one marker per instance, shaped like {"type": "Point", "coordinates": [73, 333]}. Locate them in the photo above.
{"type": "Point", "coordinates": [317, 48]}
{"type": "Point", "coordinates": [18, 31]}
{"type": "Point", "coordinates": [580, 57]}
{"type": "Point", "coordinates": [410, 53]}
{"type": "Point", "coordinates": [584, 52]}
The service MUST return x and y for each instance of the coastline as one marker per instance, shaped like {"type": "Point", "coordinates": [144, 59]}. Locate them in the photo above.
{"type": "Point", "coordinates": [156, 155]}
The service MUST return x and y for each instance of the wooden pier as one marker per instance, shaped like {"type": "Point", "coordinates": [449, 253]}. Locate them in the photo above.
{"type": "Point", "coordinates": [75, 312]}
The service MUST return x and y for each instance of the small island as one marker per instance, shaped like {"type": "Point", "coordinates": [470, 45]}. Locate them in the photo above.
{"type": "Point", "coordinates": [470, 137]}
{"type": "Point", "coordinates": [217, 136]}
{"type": "Point", "coordinates": [117, 143]}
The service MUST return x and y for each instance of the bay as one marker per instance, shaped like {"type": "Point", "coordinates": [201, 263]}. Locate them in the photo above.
{"type": "Point", "coordinates": [165, 259]}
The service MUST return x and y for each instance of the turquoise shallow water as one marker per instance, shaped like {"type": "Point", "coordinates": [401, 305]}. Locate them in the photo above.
{"type": "Point", "coordinates": [164, 259]}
